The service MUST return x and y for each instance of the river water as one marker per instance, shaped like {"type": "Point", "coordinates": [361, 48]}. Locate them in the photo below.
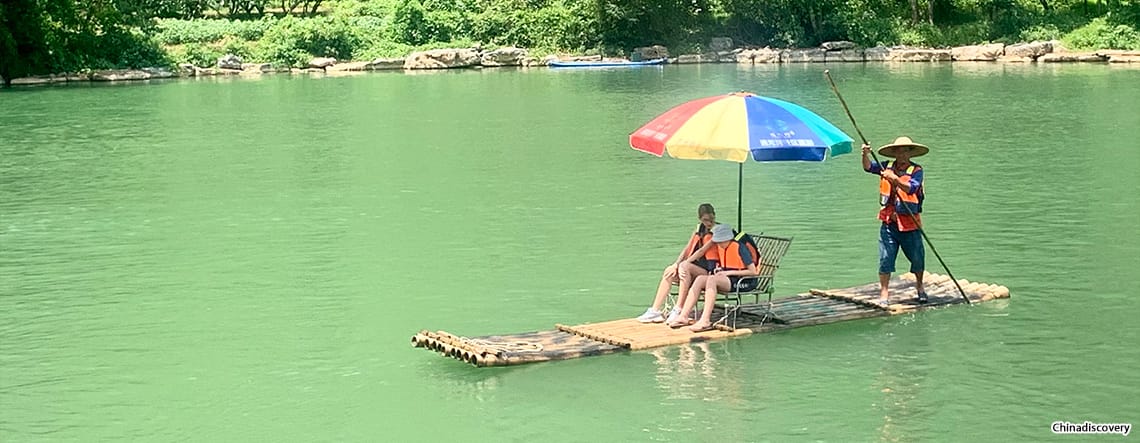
{"type": "Point", "coordinates": [235, 260]}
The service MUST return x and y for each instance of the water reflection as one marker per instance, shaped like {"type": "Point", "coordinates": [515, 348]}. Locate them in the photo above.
{"type": "Point", "coordinates": [904, 348]}
{"type": "Point", "coordinates": [685, 372]}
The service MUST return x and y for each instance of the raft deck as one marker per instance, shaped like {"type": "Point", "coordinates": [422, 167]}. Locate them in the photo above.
{"type": "Point", "coordinates": [812, 308]}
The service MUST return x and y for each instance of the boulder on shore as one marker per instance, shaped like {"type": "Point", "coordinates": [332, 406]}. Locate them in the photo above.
{"type": "Point", "coordinates": [918, 55]}
{"type": "Point", "coordinates": [652, 52]}
{"type": "Point", "coordinates": [442, 59]}
{"type": "Point", "coordinates": [509, 56]}
{"type": "Point", "coordinates": [1029, 50]}
{"type": "Point", "coordinates": [386, 63]}
{"type": "Point", "coordinates": [809, 55]}
{"type": "Point", "coordinates": [756, 56]}
{"type": "Point", "coordinates": [229, 61]}
{"type": "Point", "coordinates": [978, 53]}
{"type": "Point", "coordinates": [322, 62]}
{"type": "Point", "coordinates": [837, 46]}
{"type": "Point", "coordinates": [845, 55]}
{"type": "Point", "coordinates": [114, 75]}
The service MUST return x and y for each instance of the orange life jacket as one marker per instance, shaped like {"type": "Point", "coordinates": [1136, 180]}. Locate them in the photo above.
{"type": "Point", "coordinates": [912, 201]}
{"type": "Point", "coordinates": [699, 238]}
{"type": "Point", "coordinates": [732, 259]}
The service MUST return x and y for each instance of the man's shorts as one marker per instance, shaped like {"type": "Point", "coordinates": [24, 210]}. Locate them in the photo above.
{"type": "Point", "coordinates": [891, 240]}
{"type": "Point", "coordinates": [742, 284]}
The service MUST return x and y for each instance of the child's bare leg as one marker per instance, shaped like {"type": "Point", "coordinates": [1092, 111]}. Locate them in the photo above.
{"type": "Point", "coordinates": [712, 285]}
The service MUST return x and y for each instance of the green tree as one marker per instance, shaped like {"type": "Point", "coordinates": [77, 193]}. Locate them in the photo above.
{"type": "Point", "coordinates": [409, 23]}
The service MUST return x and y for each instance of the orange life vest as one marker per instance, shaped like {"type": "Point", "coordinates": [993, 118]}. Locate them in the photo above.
{"type": "Point", "coordinates": [699, 238]}
{"type": "Point", "coordinates": [912, 201]}
{"type": "Point", "coordinates": [732, 259]}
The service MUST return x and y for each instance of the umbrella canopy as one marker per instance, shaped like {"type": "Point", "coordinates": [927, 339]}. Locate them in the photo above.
{"type": "Point", "coordinates": [739, 126]}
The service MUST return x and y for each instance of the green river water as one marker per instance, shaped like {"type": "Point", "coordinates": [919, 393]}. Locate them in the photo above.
{"type": "Point", "coordinates": [246, 260]}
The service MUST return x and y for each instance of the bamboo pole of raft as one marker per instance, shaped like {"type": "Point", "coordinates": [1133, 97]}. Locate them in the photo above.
{"type": "Point", "coordinates": [619, 329]}
{"type": "Point", "coordinates": [838, 306]}
{"type": "Point", "coordinates": [457, 342]}
{"type": "Point", "coordinates": [682, 339]}
{"type": "Point", "coordinates": [598, 336]}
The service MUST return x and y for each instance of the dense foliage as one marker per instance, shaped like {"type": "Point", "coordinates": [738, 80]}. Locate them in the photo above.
{"type": "Point", "coordinates": [40, 36]}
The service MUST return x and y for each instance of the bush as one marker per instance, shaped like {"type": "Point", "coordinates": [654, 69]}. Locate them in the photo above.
{"type": "Point", "coordinates": [293, 41]}
{"type": "Point", "coordinates": [1043, 32]}
{"type": "Point", "coordinates": [197, 54]}
{"type": "Point", "coordinates": [240, 48]}
{"type": "Point", "coordinates": [409, 22]}
{"type": "Point", "coordinates": [383, 48]}
{"type": "Point", "coordinates": [1099, 34]}
{"type": "Point", "coordinates": [176, 32]}
{"type": "Point", "coordinates": [120, 48]}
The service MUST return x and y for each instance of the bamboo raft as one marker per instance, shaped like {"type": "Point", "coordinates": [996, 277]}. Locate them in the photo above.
{"type": "Point", "coordinates": [812, 308]}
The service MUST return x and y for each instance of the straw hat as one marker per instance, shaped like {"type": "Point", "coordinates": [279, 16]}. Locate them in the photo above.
{"type": "Point", "coordinates": [903, 143]}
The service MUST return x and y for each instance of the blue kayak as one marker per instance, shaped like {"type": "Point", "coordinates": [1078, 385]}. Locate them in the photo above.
{"type": "Point", "coordinates": [559, 64]}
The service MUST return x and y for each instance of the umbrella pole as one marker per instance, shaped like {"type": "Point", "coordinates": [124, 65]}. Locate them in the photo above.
{"type": "Point", "coordinates": [739, 197]}
{"type": "Point", "coordinates": [827, 73]}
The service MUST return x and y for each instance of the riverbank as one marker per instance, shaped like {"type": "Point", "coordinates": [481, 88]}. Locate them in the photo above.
{"type": "Point", "coordinates": [476, 58]}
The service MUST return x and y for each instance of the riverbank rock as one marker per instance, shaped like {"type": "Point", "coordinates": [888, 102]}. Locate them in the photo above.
{"type": "Point", "coordinates": [877, 54]}
{"type": "Point", "coordinates": [229, 61]}
{"type": "Point", "coordinates": [1028, 50]}
{"type": "Point", "coordinates": [717, 44]}
{"type": "Point", "coordinates": [34, 80]}
{"type": "Point", "coordinates": [382, 64]}
{"type": "Point", "coordinates": [1072, 57]}
{"type": "Point", "coordinates": [756, 56]}
{"type": "Point", "coordinates": [348, 67]}
{"type": "Point", "coordinates": [256, 68]}
{"type": "Point", "coordinates": [1014, 59]}
{"type": "Point", "coordinates": [206, 72]}
{"type": "Point", "coordinates": [652, 52]}
{"type": "Point", "coordinates": [442, 59]}
{"type": "Point", "coordinates": [1118, 56]}
{"type": "Point", "coordinates": [509, 56]}
{"type": "Point", "coordinates": [115, 75]}
{"type": "Point", "coordinates": [810, 55]}
{"type": "Point", "coordinates": [978, 53]}
{"type": "Point", "coordinates": [160, 73]}
{"type": "Point", "coordinates": [846, 55]}
{"type": "Point", "coordinates": [837, 46]}
{"type": "Point", "coordinates": [322, 62]}
{"type": "Point", "coordinates": [686, 59]}
{"type": "Point", "coordinates": [918, 55]}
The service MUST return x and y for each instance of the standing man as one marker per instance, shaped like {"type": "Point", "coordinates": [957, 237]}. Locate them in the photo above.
{"type": "Point", "coordinates": [900, 195]}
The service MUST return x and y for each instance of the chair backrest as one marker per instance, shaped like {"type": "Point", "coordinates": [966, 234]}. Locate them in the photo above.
{"type": "Point", "coordinates": [771, 250]}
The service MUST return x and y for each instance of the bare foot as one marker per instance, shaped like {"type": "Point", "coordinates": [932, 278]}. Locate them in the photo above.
{"type": "Point", "coordinates": [701, 327]}
{"type": "Point", "coordinates": [681, 322]}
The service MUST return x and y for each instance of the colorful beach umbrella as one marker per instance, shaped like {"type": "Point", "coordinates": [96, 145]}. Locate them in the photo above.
{"type": "Point", "coordinates": [739, 126]}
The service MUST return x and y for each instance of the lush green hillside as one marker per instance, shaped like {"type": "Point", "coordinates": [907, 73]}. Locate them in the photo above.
{"type": "Point", "coordinates": [40, 36]}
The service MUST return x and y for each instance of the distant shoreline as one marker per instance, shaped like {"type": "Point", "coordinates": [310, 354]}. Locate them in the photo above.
{"type": "Point", "coordinates": [476, 58]}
